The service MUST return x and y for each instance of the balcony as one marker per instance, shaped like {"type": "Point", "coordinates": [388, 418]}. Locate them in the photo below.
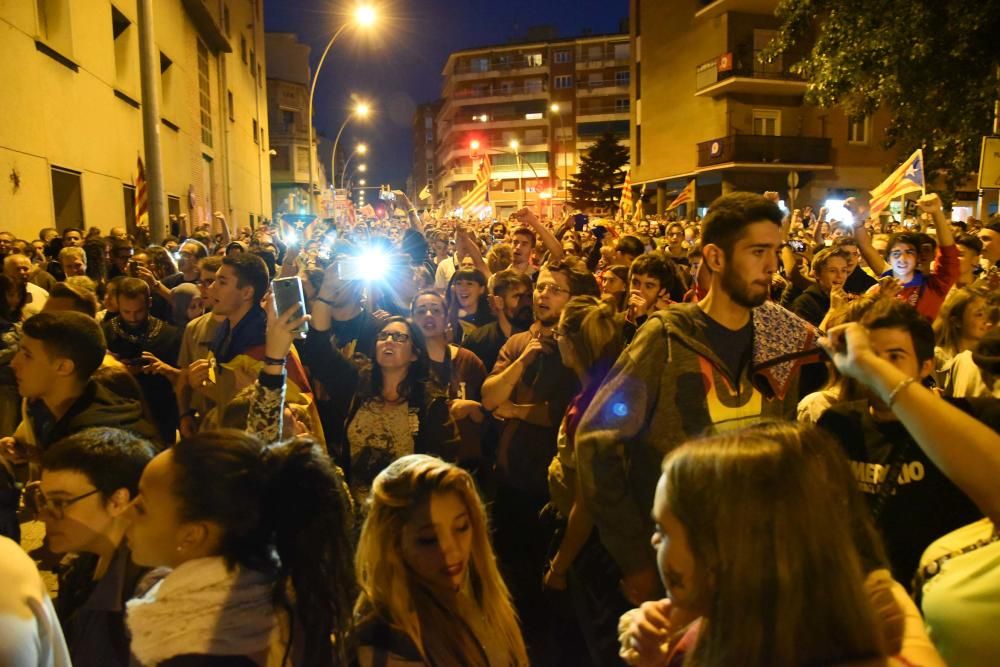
{"type": "Point", "coordinates": [712, 8]}
{"type": "Point", "coordinates": [763, 153]}
{"type": "Point", "coordinates": [726, 74]}
{"type": "Point", "coordinates": [597, 112]}
{"type": "Point", "coordinates": [516, 67]}
{"type": "Point", "coordinates": [587, 88]}
{"type": "Point", "coordinates": [488, 94]}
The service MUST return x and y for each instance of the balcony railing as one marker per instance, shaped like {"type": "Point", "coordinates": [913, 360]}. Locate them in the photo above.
{"type": "Point", "coordinates": [499, 66]}
{"type": "Point", "coordinates": [586, 84]}
{"type": "Point", "coordinates": [742, 64]}
{"type": "Point", "coordinates": [500, 91]}
{"type": "Point", "coordinates": [764, 149]}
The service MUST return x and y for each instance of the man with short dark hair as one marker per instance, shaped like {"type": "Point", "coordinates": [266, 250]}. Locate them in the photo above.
{"type": "Point", "coordinates": [970, 250]}
{"type": "Point", "coordinates": [189, 254]}
{"type": "Point", "coordinates": [523, 244]}
{"type": "Point", "coordinates": [627, 250]}
{"type": "Point", "coordinates": [195, 344]}
{"type": "Point", "coordinates": [529, 389]}
{"type": "Point", "coordinates": [911, 500]}
{"type": "Point", "coordinates": [858, 280]}
{"type": "Point", "coordinates": [58, 354]}
{"type": "Point", "coordinates": [651, 277]}
{"type": "Point", "coordinates": [510, 298]}
{"type": "Point", "coordinates": [121, 253]}
{"type": "Point", "coordinates": [725, 362]}
{"type": "Point", "coordinates": [88, 483]}
{"type": "Point", "coordinates": [144, 344]}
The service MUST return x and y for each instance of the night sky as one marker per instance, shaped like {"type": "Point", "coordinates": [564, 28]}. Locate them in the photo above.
{"type": "Point", "coordinates": [398, 65]}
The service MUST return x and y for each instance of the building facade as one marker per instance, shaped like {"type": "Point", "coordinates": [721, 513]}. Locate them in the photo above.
{"type": "Point", "coordinates": [424, 140]}
{"type": "Point", "coordinates": [71, 122]}
{"type": "Point", "coordinates": [704, 107]}
{"type": "Point", "coordinates": [534, 108]}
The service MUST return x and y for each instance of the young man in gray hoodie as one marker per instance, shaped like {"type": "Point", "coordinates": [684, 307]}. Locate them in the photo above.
{"type": "Point", "coordinates": [723, 363]}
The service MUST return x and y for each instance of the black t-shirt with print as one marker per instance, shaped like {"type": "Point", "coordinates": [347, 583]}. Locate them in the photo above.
{"type": "Point", "coordinates": [734, 348]}
{"type": "Point", "coordinates": [922, 506]}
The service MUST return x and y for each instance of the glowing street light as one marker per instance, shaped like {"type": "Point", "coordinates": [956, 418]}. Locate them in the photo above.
{"type": "Point", "coordinates": [474, 145]}
{"type": "Point", "coordinates": [362, 182]}
{"type": "Point", "coordinates": [362, 168]}
{"type": "Point", "coordinates": [361, 110]}
{"type": "Point", "coordinates": [364, 16]}
{"type": "Point", "coordinates": [360, 149]}
{"type": "Point", "coordinates": [554, 108]}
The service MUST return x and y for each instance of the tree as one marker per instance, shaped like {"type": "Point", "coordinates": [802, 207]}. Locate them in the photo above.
{"type": "Point", "coordinates": [601, 174]}
{"type": "Point", "coordinates": [931, 63]}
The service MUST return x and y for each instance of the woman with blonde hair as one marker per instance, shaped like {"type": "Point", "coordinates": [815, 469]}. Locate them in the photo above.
{"type": "Point", "coordinates": [964, 318]}
{"type": "Point", "coordinates": [431, 592]}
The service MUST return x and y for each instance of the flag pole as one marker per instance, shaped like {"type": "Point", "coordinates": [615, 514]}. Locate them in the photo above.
{"type": "Point", "coordinates": [923, 173]}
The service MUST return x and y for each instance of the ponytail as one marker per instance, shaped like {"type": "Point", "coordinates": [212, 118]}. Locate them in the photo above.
{"type": "Point", "coordinates": [285, 500]}
{"type": "Point", "coordinates": [307, 506]}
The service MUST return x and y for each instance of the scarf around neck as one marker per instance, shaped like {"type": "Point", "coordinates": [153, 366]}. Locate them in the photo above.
{"type": "Point", "coordinates": [248, 333]}
{"type": "Point", "coordinates": [204, 608]}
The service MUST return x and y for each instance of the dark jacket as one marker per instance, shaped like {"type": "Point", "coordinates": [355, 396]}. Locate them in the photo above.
{"type": "Point", "coordinates": [812, 305]}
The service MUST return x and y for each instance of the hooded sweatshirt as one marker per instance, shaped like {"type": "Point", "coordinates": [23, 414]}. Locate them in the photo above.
{"type": "Point", "coordinates": [667, 387]}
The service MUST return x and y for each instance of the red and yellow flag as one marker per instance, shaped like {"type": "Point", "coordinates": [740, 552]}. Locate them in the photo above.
{"type": "Point", "coordinates": [908, 177]}
{"type": "Point", "coordinates": [686, 196]}
{"type": "Point", "coordinates": [625, 207]}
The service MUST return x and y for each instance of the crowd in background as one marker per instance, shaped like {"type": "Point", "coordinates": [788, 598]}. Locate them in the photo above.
{"type": "Point", "coordinates": [760, 437]}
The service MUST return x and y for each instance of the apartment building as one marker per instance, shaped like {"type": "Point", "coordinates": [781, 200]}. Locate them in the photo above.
{"type": "Point", "coordinates": [424, 140]}
{"type": "Point", "coordinates": [71, 122]}
{"type": "Point", "coordinates": [704, 107]}
{"type": "Point", "coordinates": [534, 107]}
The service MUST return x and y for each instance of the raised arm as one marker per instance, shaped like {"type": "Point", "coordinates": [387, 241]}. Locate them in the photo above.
{"type": "Point", "coordinates": [465, 243]}
{"type": "Point", "coordinates": [548, 239]}
{"type": "Point", "coordinates": [973, 464]}
{"type": "Point", "coordinates": [872, 257]}
{"type": "Point", "coordinates": [227, 235]}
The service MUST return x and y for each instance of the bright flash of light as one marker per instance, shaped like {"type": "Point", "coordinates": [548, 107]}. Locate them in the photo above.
{"type": "Point", "coordinates": [362, 109]}
{"type": "Point", "coordinates": [291, 237]}
{"type": "Point", "coordinates": [365, 15]}
{"type": "Point", "coordinates": [362, 149]}
{"type": "Point", "coordinates": [835, 212]}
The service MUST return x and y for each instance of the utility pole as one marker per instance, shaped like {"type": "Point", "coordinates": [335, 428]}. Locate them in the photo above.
{"type": "Point", "coordinates": [149, 73]}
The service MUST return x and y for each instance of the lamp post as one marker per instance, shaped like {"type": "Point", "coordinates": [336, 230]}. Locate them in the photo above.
{"type": "Point", "coordinates": [361, 168]}
{"type": "Point", "coordinates": [364, 16]}
{"type": "Point", "coordinates": [515, 145]}
{"type": "Point", "coordinates": [361, 110]}
{"type": "Point", "coordinates": [555, 109]}
{"type": "Point", "coordinates": [361, 149]}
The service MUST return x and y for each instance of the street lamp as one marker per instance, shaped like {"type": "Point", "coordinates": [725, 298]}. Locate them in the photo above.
{"type": "Point", "coordinates": [514, 146]}
{"type": "Point", "coordinates": [362, 182]}
{"type": "Point", "coordinates": [361, 110]}
{"type": "Point", "coordinates": [555, 109]}
{"type": "Point", "coordinates": [364, 16]}
{"type": "Point", "coordinates": [360, 149]}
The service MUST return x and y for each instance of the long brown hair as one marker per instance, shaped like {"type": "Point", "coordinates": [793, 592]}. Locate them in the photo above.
{"type": "Point", "coordinates": [948, 324]}
{"type": "Point", "coordinates": [389, 588]}
{"type": "Point", "coordinates": [772, 524]}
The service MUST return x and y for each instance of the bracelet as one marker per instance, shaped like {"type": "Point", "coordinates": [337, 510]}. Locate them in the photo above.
{"type": "Point", "coordinates": [271, 361]}
{"type": "Point", "coordinates": [326, 301]}
{"type": "Point", "coordinates": [903, 384]}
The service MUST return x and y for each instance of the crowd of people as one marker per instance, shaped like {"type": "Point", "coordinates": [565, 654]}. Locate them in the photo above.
{"type": "Point", "coordinates": [755, 438]}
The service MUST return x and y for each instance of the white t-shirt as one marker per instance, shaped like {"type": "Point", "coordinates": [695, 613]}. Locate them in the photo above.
{"type": "Point", "coordinates": [36, 300]}
{"type": "Point", "coordinates": [446, 269]}
{"type": "Point", "coordinates": [30, 635]}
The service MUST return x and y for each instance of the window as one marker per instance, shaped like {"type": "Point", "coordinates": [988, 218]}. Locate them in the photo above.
{"type": "Point", "coordinates": [67, 198]}
{"type": "Point", "coordinates": [509, 186]}
{"type": "Point", "coordinates": [563, 81]}
{"type": "Point", "coordinates": [243, 48]}
{"type": "Point", "coordinates": [204, 94]}
{"type": "Point", "coordinates": [429, 137]}
{"type": "Point", "coordinates": [563, 56]}
{"type": "Point", "coordinates": [167, 85]}
{"type": "Point", "coordinates": [288, 118]}
{"type": "Point", "coordinates": [124, 64]}
{"type": "Point", "coordinates": [128, 197]}
{"type": "Point", "coordinates": [506, 87]}
{"type": "Point", "coordinates": [564, 133]}
{"type": "Point", "coordinates": [767, 122]}
{"type": "Point", "coordinates": [533, 136]}
{"type": "Point", "coordinates": [231, 105]}
{"type": "Point", "coordinates": [428, 122]}
{"type": "Point", "coordinates": [622, 78]}
{"type": "Point", "coordinates": [621, 52]}
{"type": "Point", "coordinates": [480, 65]}
{"type": "Point", "coordinates": [225, 19]}
{"type": "Point", "coordinates": [595, 80]}
{"type": "Point", "coordinates": [761, 40]}
{"type": "Point", "coordinates": [207, 184]}
{"type": "Point", "coordinates": [533, 86]}
{"type": "Point", "coordinates": [595, 53]}
{"type": "Point", "coordinates": [533, 60]}
{"type": "Point", "coordinates": [857, 130]}
{"type": "Point", "coordinates": [54, 26]}
{"type": "Point", "coordinates": [174, 213]}
{"type": "Point", "coordinates": [622, 105]}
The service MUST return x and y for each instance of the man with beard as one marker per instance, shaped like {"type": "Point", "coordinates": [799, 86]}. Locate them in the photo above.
{"type": "Point", "coordinates": [529, 390]}
{"type": "Point", "coordinates": [729, 360]}
{"type": "Point", "coordinates": [141, 341]}
{"type": "Point", "coordinates": [510, 298]}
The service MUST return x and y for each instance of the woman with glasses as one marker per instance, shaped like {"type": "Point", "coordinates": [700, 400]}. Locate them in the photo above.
{"type": "Point", "coordinates": [398, 409]}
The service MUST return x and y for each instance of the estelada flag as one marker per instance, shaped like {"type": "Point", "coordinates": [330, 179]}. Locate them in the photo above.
{"type": "Point", "coordinates": [686, 196]}
{"type": "Point", "coordinates": [908, 177]}
{"type": "Point", "coordinates": [141, 197]}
